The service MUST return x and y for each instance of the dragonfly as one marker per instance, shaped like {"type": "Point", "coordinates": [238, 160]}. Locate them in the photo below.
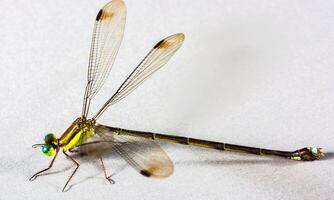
{"type": "Point", "coordinates": [138, 148]}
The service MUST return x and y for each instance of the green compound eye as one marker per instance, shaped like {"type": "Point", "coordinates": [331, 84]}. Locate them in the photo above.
{"type": "Point", "coordinates": [47, 149]}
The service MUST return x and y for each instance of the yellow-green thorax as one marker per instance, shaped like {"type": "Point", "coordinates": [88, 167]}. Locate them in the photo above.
{"type": "Point", "coordinates": [77, 134]}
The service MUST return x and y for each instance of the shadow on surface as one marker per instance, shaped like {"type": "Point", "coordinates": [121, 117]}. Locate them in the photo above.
{"type": "Point", "coordinates": [328, 156]}
{"type": "Point", "coordinates": [116, 171]}
{"type": "Point", "coordinates": [56, 172]}
{"type": "Point", "coordinates": [91, 155]}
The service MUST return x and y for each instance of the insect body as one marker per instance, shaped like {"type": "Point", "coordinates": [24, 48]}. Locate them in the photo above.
{"type": "Point", "coordinates": [138, 148]}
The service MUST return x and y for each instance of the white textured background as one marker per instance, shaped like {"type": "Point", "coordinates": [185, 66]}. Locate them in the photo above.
{"type": "Point", "coordinates": [257, 73]}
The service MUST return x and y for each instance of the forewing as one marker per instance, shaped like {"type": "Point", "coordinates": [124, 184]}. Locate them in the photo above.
{"type": "Point", "coordinates": [106, 40]}
{"type": "Point", "coordinates": [155, 59]}
{"type": "Point", "coordinates": [144, 155]}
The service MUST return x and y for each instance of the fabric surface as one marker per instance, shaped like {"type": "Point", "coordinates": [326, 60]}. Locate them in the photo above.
{"type": "Point", "coordinates": [257, 73]}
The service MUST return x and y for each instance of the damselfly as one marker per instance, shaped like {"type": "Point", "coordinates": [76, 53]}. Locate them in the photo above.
{"type": "Point", "coordinates": [138, 148]}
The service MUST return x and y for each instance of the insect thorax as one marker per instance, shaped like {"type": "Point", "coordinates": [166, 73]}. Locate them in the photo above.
{"type": "Point", "coordinates": [78, 132]}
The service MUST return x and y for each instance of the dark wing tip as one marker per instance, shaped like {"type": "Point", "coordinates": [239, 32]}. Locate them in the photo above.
{"type": "Point", "coordinates": [99, 15]}
{"type": "Point", "coordinates": [115, 7]}
{"type": "Point", "coordinates": [158, 44]}
{"type": "Point", "coordinates": [145, 173]}
{"type": "Point", "coordinates": [175, 39]}
{"type": "Point", "coordinates": [104, 15]}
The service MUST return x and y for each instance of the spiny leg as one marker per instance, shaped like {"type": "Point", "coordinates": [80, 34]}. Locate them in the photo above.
{"type": "Point", "coordinates": [76, 163]}
{"type": "Point", "coordinates": [33, 177]}
{"type": "Point", "coordinates": [111, 181]}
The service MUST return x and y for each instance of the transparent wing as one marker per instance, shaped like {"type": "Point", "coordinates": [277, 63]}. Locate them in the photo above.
{"type": "Point", "coordinates": [106, 40]}
{"type": "Point", "coordinates": [155, 59]}
{"type": "Point", "coordinates": [144, 155]}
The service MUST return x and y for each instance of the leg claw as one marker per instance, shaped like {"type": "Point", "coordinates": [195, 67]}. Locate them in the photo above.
{"type": "Point", "coordinates": [111, 181]}
{"type": "Point", "coordinates": [33, 178]}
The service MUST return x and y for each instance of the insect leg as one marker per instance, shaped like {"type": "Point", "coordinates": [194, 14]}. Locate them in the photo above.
{"type": "Point", "coordinates": [77, 167]}
{"type": "Point", "coordinates": [111, 181]}
{"type": "Point", "coordinates": [33, 177]}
